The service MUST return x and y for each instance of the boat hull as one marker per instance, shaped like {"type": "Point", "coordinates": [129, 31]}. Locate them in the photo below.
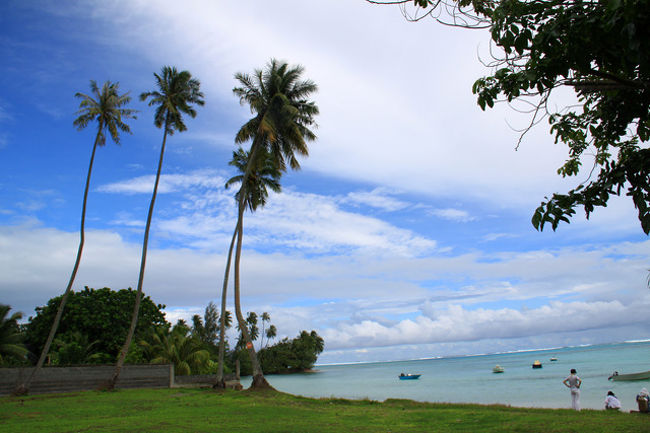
{"type": "Point", "coordinates": [644, 375]}
{"type": "Point", "coordinates": [409, 377]}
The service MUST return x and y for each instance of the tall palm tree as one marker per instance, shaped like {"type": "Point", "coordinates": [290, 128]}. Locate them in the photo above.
{"type": "Point", "coordinates": [11, 346]}
{"type": "Point", "coordinates": [105, 107]}
{"type": "Point", "coordinates": [264, 177]}
{"type": "Point", "coordinates": [265, 318]}
{"type": "Point", "coordinates": [281, 124]}
{"type": "Point", "coordinates": [176, 94]}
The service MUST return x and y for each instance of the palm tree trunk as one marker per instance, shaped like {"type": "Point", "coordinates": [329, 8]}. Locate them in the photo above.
{"type": "Point", "coordinates": [259, 382]}
{"type": "Point", "coordinates": [222, 319]}
{"type": "Point", "coordinates": [24, 387]}
{"type": "Point", "coordinates": [136, 308]}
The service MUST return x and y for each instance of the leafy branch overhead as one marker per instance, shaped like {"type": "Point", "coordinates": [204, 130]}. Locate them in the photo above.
{"type": "Point", "coordinates": [599, 49]}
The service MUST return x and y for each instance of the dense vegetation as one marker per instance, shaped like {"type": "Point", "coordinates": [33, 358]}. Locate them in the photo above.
{"type": "Point", "coordinates": [195, 410]}
{"type": "Point", "coordinates": [94, 323]}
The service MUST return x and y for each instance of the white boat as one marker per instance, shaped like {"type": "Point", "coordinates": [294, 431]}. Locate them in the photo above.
{"type": "Point", "coordinates": [644, 375]}
{"type": "Point", "coordinates": [497, 369]}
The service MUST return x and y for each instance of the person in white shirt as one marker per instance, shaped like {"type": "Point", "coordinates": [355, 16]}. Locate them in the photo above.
{"type": "Point", "coordinates": [573, 382]}
{"type": "Point", "coordinates": [611, 402]}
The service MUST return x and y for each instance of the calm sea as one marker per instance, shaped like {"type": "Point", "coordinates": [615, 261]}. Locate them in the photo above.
{"type": "Point", "coordinates": [469, 379]}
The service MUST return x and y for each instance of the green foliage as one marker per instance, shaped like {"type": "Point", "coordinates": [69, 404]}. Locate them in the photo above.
{"type": "Point", "coordinates": [98, 317]}
{"type": "Point", "coordinates": [287, 355]}
{"type": "Point", "coordinates": [12, 349]}
{"type": "Point", "coordinates": [74, 348]}
{"type": "Point", "coordinates": [176, 347]}
{"type": "Point", "coordinates": [601, 50]}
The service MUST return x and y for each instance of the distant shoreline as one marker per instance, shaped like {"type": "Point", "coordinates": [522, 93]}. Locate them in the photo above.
{"type": "Point", "coordinates": [549, 349]}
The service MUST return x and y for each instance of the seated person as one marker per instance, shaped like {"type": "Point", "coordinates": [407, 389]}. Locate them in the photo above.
{"type": "Point", "coordinates": [611, 402]}
{"type": "Point", "coordinates": [642, 399]}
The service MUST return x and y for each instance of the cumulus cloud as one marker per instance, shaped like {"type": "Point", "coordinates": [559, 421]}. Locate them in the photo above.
{"type": "Point", "coordinates": [204, 215]}
{"type": "Point", "coordinates": [354, 300]}
{"type": "Point", "coordinates": [458, 324]}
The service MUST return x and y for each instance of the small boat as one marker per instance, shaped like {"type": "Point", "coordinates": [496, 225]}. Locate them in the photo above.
{"type": "Point", "coordinates": [409, 376]}
{"type": "Point", "coordinates": [537, 364]}
{"type": "Point", "coordinates": [497, 369]}
{"type": "Point", "coordinates": [644, 375]}
{"type": "Point", "coordinates": [554, 359]}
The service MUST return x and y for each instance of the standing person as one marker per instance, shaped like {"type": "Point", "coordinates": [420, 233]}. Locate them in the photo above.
{"type": "Point", "coordinates": [611, 402]}
{"type": "Point", "coordinates": [643, 398]}
{"type": "Point", "coordinates": [573, 382]}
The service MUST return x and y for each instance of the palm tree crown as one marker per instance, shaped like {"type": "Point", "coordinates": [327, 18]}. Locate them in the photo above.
{"type": "Point", "coordinates": [283, 114]}
{"type": "Point", "coordinates": [264, 176]}
{"type": "Point", "coordinates": [106, 109]}
{"type": "Point", "coordinates": [176, 93]}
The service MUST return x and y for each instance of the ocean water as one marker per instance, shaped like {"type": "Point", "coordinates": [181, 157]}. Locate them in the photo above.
{"type": "Point", "coordinates": [469, 379]}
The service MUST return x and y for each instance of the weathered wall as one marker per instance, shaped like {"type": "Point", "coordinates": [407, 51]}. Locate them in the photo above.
{"type": "Point", "coordinates": [83, 378]}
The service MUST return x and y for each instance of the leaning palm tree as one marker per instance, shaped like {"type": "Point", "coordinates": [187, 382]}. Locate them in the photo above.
{"type": "Point", "coordinates": [281, 124]}
{"type": "Point", "coordinates": [265, 176]}
{"type": "Point", "coordinates": [105, 107]}
{"type": "Point", "coordinates": [176, 94]}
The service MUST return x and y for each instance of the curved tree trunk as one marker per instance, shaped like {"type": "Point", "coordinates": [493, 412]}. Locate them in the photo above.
{"type": "Point", "coordinates": [259, 382]}
{"type": "Point", "coordinates": [220, 383]}
{"type": "Point", "coordinates": [24, 387]}
{"type": "Point", "coordinates": [136, 308]}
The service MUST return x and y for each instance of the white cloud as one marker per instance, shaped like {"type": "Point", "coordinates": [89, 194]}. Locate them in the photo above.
{"type": "Point", "coordinates": [453, 215]}
{"type": "Point", "coordinates": [421, 132]}
{"type": "Point", "coordinates": [168, 183]}
{"type": "Point", "coordinates": [354, 300]}
{"type": "Point", "coordinates": [378, 198]}
{"type": "Point", "coordinates": [315, 222]}
{"type": "Point", "coordinates": [457, 324]}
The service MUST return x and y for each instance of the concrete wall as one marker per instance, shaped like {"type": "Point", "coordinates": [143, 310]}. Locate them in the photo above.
{"type": "Point", "coordinates": [83, 378]}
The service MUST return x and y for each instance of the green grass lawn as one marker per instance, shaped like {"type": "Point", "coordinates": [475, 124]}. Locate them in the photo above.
{"type": "Point", "coordinates": [205, 410]}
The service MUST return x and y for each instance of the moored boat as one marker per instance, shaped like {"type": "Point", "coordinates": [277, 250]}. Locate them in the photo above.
{"type": "Point", "coordinates": [497, 369]}
{"type": "Point", "coordinates": [644, 375]}
{"type": "Point", "coordinates": [409, 376]}
{"type": "Point", "coordinates": [554, 359]}
{"type": "Point", "coordinates": [537, 364]}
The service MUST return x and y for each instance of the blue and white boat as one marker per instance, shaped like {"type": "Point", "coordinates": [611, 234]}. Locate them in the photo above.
{"type": "Point", "coordinates": [409, 376]}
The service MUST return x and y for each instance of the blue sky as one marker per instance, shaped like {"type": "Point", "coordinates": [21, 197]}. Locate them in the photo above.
{"type": "Point", "coordinates": [407, 232]}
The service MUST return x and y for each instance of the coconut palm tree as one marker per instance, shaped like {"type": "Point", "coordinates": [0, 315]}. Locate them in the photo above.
{"type": "Point", "coordinates": [176, 94]}
{"type": "Point", "coordinates": [271, 333]}
{"type": "Point", "coordinates": [106, 107]}
{"type": "Point", "coordinates": [281, 124]}
{"type": "Point", "coordinates": [264, 177]}
{"type": "Point", "coordinates": [265, 318]}
{"type": "Point", "coordinates": [178, 348]}
{"type": "Point", "coordinates": [11, 346]}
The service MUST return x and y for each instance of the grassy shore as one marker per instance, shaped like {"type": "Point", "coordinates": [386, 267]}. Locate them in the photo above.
{"type": "Point", "coordinates": [205, 410]}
